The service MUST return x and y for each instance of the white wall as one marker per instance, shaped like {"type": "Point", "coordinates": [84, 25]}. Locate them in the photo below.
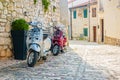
{"type": "Point", "coordinates": [112, 19]}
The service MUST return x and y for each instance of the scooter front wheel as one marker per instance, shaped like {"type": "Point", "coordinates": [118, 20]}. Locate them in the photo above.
{"type": "Point", "coordinates": [32, 58]}
{"type": "Point", "coordinates": [44, 58]}
{"type": "Point", "coordinates": [56, 50]}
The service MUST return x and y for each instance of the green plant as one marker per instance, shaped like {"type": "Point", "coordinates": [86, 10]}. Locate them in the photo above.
{"type": "Point", "coordinates": [54, 8]}
{"type": "Point", "coordinates": [81, 38]}
{"type": "Point", "coordinates": [45, 4]}
{"type": "Point", "coordinates": [35, 1]}
{"type": "Point", "coordinates": [20, 24]}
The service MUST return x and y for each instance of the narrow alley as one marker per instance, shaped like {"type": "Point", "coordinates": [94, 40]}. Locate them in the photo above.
{"type": "Point", "coordinates": [82, 61]}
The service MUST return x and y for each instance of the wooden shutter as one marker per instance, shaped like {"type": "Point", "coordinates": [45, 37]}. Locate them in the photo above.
{"type": "Point", "coordinates": [85, 13]}
{"type": "Point", "coordinates": [85, 31]}
{"type": "Point", "coordinates": [74, 14]}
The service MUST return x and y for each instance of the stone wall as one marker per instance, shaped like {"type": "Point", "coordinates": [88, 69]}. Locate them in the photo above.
{"type": "Point", "coordinates": [14, 9]}
{"type": "Point", "coordinates": [112, 41]}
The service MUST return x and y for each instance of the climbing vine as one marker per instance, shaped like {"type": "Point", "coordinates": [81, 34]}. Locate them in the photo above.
{"type": "Point", "coordinates": [54, 8]}
{"type": "Point", "coordinates": [35, 1]}
{"type": "Point", "coordinates": [45, 4]}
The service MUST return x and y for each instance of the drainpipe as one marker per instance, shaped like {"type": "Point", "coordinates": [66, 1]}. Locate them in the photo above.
{"type": "Point", "coordinates": [71, 23]}
{"type": "Point", "coordinates": [89, 21]}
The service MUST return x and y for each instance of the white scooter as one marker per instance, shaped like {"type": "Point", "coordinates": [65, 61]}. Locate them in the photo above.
{"type": "Point", "coordinates": [38, 44]}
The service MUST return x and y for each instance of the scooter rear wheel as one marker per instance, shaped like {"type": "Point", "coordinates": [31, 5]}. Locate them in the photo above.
{"type": "Point", "coordinates": [56, 50]}
{"type": "Point", "coordinates": [32, 58]}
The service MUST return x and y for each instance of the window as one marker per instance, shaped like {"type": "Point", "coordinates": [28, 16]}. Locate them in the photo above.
{"type": "Point", "coordinates": [93, 12]}
{"type": "Point", "coordinates": [74, 14]}
{"type": "Point", "coordinates": [85, 13]}
{"type": "Point", "coordinates": [85, 31]}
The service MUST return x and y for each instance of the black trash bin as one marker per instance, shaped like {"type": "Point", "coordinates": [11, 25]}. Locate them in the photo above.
{"type": "Point", "coordinates": [19, 44]}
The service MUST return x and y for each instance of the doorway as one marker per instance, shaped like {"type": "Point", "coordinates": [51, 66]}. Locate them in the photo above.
{"type": "Point", "coordinates": [94, 33]}
{"type": "Point", "coordinates": [102, 30]}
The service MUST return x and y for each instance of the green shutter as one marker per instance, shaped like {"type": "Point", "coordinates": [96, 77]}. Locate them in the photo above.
{"type": "Point", "coordinates": [85, 31]}
{"type": "Point", "coordinates": [74, 14]}
{"type": "Point", "coordinates": [85, 13]}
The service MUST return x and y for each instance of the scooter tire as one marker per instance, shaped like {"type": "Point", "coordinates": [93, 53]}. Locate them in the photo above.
{"type": "Point", "coordinates": [62, 51]}
{"type": "Point", "coordinates": [44, 58]}
{"type": "Point", "coordinates": [33, 60]}
{"type": "Point", "coordinates": [58, 50]}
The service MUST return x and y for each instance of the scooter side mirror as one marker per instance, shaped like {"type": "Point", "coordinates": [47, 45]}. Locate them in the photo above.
{"type": "Point", "coordinates": [34, 24]}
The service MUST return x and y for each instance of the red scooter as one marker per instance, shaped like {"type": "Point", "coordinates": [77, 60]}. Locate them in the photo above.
{"type": "Point", "coordinates": [58, 42]}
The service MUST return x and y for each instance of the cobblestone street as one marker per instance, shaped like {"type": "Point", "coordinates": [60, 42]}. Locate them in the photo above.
{"type": "Point", "coordinates": [82, 61]}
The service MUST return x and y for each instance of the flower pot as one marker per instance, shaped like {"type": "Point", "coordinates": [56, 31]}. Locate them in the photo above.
{"type": "Point", "coordinates": [19, 44]}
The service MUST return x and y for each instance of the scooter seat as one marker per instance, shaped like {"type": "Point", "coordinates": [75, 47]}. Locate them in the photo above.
{"type": "Point", "coordinates": [45, 36]}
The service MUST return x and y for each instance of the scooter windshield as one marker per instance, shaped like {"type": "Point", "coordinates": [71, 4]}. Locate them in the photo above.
{"type": "Point", "coordinates": [34, 31]}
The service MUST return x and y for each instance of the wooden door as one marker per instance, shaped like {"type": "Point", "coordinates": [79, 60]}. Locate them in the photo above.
{"type": "Point", "coordinates": [94, 33]}
{"type": "Point", "coordinates": [102, 29]}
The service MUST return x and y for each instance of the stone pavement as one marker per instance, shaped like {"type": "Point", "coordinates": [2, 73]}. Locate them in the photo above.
{"type": "Point", "coordinates": [99, 62]}
{"type": "Point", "coordinates": [83, 61]}
{"type": "Point", "coordinates": [10, 62]}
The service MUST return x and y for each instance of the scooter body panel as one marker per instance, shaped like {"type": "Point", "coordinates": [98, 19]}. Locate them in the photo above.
{"type": "Point", "coordinates": [35, 47]}
{"type": "Point", "coordinates": [47, 44]}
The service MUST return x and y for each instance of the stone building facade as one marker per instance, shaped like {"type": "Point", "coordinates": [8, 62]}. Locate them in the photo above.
{"type": "Point", "coordinates": [79, 23]}
{"type": "Point", "coordinates": [104, 28]}
{"type": "Point", "coordinates": [14, 9]}
{"type": "Point", "coordinates": [109, 17]}
{"type": "Point", "coordinates": [84, 21]}
{"type": "Point", "coordinates": [100, 12]}
{"type": "Point", "coordinates": [93, 22]}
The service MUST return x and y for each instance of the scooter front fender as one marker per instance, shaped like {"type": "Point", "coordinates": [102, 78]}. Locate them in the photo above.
{"type": "Point", "coordinates": [35, 47]}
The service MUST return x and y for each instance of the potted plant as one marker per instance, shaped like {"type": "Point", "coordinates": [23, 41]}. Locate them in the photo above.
{"type": "Point", "coordinates": [18, 33]}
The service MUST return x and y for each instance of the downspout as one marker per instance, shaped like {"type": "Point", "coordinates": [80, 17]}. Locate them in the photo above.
{"type": "Point", "coordinates": [89, 21]}
{"type": "Point", "coordinates": [71, 24]}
